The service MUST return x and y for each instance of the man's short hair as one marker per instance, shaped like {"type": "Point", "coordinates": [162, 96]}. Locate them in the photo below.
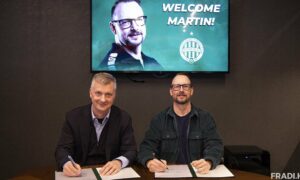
{"type": "Point", "coordinates": [120, 1]}
{"type": "Point", "coordinates": [105, 79]}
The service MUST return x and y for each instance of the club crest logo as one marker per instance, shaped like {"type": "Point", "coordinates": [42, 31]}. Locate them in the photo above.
{"type": "Point", "coordinates": [191, 50]}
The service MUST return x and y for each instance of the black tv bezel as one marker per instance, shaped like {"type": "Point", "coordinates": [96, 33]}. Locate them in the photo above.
{"type": "Point", "coordinates": [159, 72]}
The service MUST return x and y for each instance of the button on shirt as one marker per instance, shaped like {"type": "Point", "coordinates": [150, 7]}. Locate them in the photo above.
{"type": "Point", "coordinates": [99, 128]}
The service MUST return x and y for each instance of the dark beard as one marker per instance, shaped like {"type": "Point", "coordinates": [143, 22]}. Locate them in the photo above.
{"type": "Point", "coordinates": [182, 102]}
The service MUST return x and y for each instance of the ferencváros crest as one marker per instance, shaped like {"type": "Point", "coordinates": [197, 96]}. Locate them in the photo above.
{"type": "Point", "coordinates": [191, 50]}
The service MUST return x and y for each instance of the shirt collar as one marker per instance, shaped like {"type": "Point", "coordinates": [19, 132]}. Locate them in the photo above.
{"type": "Point", "coordinates": [192, 113]}
{"type": "Point", "coordinates": [94, 118]}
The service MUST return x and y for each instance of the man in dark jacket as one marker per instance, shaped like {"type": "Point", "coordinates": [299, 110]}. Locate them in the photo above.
{"type": "Point", "coordinates": [98, 133]}
{"type": "Point", "coordinates": [181, 134]}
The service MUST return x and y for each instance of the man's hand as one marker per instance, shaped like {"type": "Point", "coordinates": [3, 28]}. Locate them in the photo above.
{"type": "Point", "coordinates": [111, 167]}
{"type": "Point", "coordinates": [70, 170]}
{"type": "Point", "coordinates": [156, 165]}
{"type": "Point", "coordinates": [202, 166]}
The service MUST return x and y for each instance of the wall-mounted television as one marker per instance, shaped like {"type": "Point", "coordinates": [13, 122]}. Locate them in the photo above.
{"type": "Point", "coordinates": [160, 36]}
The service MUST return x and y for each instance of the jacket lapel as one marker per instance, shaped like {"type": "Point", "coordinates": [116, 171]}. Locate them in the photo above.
{"type": "Point", "coordinates": [85, 131]}
{"type": "Point", "coordinates": [111, 133]}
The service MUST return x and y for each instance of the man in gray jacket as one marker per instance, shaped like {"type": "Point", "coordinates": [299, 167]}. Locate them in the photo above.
{"type": "Point", "coordinates": [181, 134]}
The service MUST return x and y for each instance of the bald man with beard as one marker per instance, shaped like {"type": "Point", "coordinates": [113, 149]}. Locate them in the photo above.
{"type": "Point", "coordinates": [181, 134]}
{"type": "Point", "coordinates": [128, 25]}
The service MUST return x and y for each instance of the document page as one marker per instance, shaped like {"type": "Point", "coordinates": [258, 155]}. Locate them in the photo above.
{"type": "Point", "coordinates": [219, 171]}
{"type": "Point", "coordinates": [125, 173]}
{"type": "Point", "coordinates": [86, 174]}
{"type": "Point", "coordinates": [175, 171]}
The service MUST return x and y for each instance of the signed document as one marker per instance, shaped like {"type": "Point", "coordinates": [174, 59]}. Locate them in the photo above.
{"type": "Point", "coordinates": [175, 171]}
{"type": "Point", "coordinates": [181, 171]}
{"type": "Point", "coordinates": [86, 174]}
{"type": "Point", "coordinates": [93, 174]}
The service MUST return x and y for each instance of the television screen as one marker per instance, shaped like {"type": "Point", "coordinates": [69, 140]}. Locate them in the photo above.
{"type": "Point", "coordinates": [160, 36]}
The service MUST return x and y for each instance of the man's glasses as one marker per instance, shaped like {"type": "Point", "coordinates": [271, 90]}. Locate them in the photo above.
{"type": "Point", "coordinates": [126, 23]}
{"type": "Point", "coordinates": [177, 87]}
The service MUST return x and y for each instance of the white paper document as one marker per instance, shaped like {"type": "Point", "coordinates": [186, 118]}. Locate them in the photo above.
{"type": "Point", "coordinates": [175, 171]}
{"type": "Point", "coordinates": [219, 171]}
{"type": "Point", "coordinates": [125, 173]}
{"type": "Point", "coordinates": [86, 174]}
{"type": "Point", "coordinates": [180, 171]}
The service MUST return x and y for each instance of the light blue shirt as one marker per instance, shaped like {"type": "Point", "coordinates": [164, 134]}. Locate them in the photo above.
{"type": "Point", "coordinates": [99, 128]}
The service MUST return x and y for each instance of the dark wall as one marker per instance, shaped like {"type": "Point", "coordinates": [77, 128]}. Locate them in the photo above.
{"type": "Point", "coordinates": [44, 61]}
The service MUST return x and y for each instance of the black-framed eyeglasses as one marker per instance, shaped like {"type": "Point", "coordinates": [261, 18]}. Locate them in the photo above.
{"type": "Point", "coordinates": [177, 87]}
{"type": "Point", "coordinates": [126, 23]}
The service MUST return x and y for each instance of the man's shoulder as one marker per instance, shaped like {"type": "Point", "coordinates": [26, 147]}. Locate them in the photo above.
{"type": "Point", "coordinates": [151, 63]}
{"type": "Point", "coordinates": [202, 114]}
{"type": "Point", "coordinates": [111, 55]}
{"type": "Point", "coordinates": [78, 115]}
{"type": "Point", "coordinates": [199, 110]}
{"type": "Point", "coordinates": [148, 59]}
{"type": "Point", "coordinates": [162, 114]}
{"type": "Point", "coordinates": [118, 112]}
{"type": "Point", "coordinates": [116, 109]}
{"type": "Point", "coordinates": [117, 58]}
{"type": "Point", "coordinates": [79, 109]}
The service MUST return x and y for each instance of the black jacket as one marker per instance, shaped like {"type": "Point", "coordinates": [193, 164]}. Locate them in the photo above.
{"type": "Point", "coordinates": [162, 138]}
{"type": "Point", "coordinates": [118, 59]}
{"type": "Point", "coordinates": [75, 136]}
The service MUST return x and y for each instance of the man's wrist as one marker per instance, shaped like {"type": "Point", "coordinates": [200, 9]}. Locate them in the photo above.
{"type": "Point", "coordinates": [147, 161]}
{"type": "Point", "coordinates": [210, 163]}
{"type": "Point", "coordinates": [124, 161]}
{"type": "Point", "coordinates": [120, 161]}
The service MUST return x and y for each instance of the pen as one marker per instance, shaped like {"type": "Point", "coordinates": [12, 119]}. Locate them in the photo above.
{"type": "Point", "coordinates": [72, 161]}
{"type": "Point", "coordinates": [153, 155]}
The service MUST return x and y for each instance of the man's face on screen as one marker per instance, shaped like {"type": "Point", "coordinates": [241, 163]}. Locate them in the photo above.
{"type": "Point", "coordinates": [128, 24]}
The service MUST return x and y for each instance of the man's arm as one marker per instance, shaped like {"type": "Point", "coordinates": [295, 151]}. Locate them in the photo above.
{"type": "Point", "coordinates": [128, 147]}
{"type": "Point", "coordinates": [213, 145]}
{"type": "Point", "coordinates": [150, 143]}
{"type": "Point", "coordinates": [65, 146]}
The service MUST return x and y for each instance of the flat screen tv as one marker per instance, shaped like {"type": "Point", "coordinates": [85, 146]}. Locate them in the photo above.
{"type": "Point", "coordinates": [173, 36]}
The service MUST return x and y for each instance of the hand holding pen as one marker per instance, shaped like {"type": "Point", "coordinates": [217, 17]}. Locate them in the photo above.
{"type": "Point", "coordinates": [71, 168]}
{"type": "Point", "coordinates": [156, 164]}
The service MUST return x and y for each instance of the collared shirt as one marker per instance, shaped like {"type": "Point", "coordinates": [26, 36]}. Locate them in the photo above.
{"type": "Point", "coordinates": [99, 128]}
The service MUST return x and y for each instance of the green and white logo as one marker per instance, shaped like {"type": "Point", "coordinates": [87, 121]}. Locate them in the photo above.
{"type": "Point", "coordinates": [191, 50]}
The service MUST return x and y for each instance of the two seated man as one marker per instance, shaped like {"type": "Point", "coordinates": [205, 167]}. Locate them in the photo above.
{"type": "Point", "coordinates": [102, 133]}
